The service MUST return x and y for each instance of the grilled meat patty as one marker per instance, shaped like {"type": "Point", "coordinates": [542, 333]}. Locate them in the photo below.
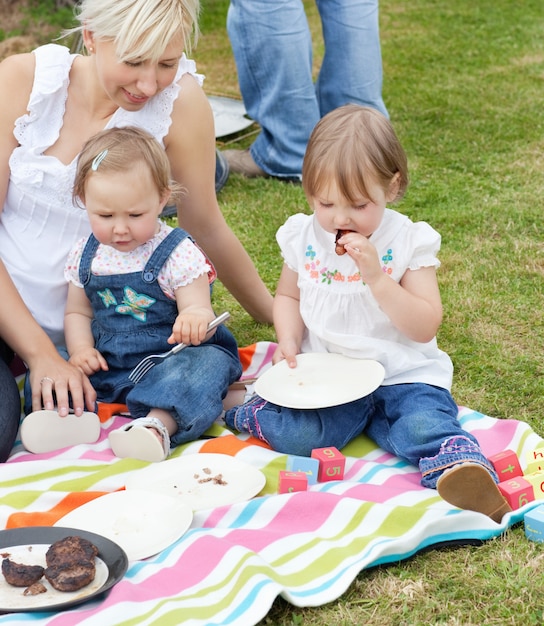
{"type": "Point", "coordinates": [20, 575]}
{"type": "Point", "coordinates": [70, 563]}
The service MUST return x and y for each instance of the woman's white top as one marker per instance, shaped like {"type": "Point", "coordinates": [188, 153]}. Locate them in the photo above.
{"type": "Point", "coordinates": [39, 223]}
{"type": "Point", "coordinates": [341, 314]}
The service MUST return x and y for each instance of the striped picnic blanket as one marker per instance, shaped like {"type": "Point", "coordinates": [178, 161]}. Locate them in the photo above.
{"type": "Point", "coordinates": [235, 560]}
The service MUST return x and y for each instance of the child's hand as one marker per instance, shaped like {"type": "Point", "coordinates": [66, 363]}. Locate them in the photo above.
{"type": "Point", "coordinates": [286, 350]}
{"type": "Point", "coordinates": [191, 327]}
{"type": "Point", "coordinates": [89, 361]}
{"type": "Point", "coordinates": [365, 255]}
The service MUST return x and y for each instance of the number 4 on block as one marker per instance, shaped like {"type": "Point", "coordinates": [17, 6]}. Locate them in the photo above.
{"type": "Point", "coordinates": [331, 464]}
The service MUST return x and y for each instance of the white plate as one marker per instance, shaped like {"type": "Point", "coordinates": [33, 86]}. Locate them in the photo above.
{"type": "Point", "coordinates": [143, 524]}
{"type": "Point", "coordinates": [229, 115]}
{"type": "Point", "coordinates": [201, 481]}
{"type": "Point", "coordinates": [319, 380]}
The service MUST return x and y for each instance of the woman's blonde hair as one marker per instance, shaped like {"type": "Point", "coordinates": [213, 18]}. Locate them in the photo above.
{"type": "Point", "coordinates": [119, 150]}
{"type": "Point", "coordinates": [356, 147]}
{"type": "Point", "coordinates": [140, 29]}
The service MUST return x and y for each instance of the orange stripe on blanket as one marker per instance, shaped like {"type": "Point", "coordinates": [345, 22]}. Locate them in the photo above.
{"type": "Point", "coordinates": [229, 444]}
{"type": "Point", "coordinates": [48, 518]}
{"type": "Point", "coordinates": [246, 355]}
{"type": "Point", "coordinates": [106, 410]}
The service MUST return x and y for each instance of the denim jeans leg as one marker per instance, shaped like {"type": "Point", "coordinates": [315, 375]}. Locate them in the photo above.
{"type": "Point", "coordinates": [299, 431]}
{"type": "Point", "coordinates": [190, 386]}
{"type": "Point", "coordinates": [272, 47]}
{"type": "Point", "coordinates": [454, 451]}
{"type": "Point", "coordinates": [10, 411]}
{"type": "Point", "coordinates": [351, 71]}
{"type": "Point", "coordinates": [414, 420]}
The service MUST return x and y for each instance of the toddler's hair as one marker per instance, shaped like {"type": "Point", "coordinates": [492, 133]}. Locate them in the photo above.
{"type": "Point", "coordinates": [356, 147]}
{"type": "Point", "coordinates": [140, 29]}
{"type": "Point", "coordinates": [119, 150]}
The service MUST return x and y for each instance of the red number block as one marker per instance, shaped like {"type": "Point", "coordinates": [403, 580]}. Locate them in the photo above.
{"type": "Point", "coordinates": [534, 524]}
{"type": "Point", "coordinates": [517, 491]}
{"type": "Point", "coordinates": [506, 465]}
{"type": "Point", "coordinates": [331, 464]}
{"type": "Point", "coordinates": [535, 461]}
{"type": "Point", "coordinates": [537, 481]}
{"type": "Point", "coordinates": [292, 481]}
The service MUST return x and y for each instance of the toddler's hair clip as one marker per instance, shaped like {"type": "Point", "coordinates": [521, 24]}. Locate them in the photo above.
{"type": "Point", "coordinates": [98, 159]}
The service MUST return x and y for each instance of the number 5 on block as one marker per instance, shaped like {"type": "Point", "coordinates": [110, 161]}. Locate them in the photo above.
{"type": "Point", "coordinates": [331, 463]}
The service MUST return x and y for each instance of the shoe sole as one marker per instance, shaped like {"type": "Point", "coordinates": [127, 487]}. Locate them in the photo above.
{"type": "Point", "coordinates": [471, 487]}
{"type": "Point", "coordinates": [136, 442]}
{"type": "Point", "coordinates": [46, 431]}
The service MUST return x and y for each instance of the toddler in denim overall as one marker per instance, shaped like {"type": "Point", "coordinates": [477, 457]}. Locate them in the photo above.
{"type": "Point", "coordinates": [132, 319]}
{"type": "Point", "coordinates": [136, 287]}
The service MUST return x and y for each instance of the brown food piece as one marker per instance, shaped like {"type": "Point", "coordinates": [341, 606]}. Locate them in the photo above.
{"type": "Point", "coordinates": [72, 575]}
{"type": "Point", "coordinates": [20, 575]}
{"type": "Point", "coordinates": [71, 563]}
{"type": "Point", "coordinates": [339, 248]}
{"type": "Point", "coordinates": [70, 550]}
{"type": "Point", "coordinates": [34, 589]}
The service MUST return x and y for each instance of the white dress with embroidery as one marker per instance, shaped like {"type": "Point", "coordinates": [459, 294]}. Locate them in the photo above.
{"type": "Point", "coordinates": [339, 310]}
{"type": "Point", "coordinates": [39, 223]}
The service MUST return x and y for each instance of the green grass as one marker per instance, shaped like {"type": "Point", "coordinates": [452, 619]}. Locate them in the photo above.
{"type": "Point", "coordinates": [464, 85]}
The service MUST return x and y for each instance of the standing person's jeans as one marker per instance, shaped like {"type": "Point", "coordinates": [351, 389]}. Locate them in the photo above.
{"type": "Point", "coordinates": [272, 47]}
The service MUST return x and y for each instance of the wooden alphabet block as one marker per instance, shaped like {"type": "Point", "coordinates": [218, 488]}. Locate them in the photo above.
{"type": "Point", "coordinates": [292, 481]}
{"type": "Point", "coordinates": [331, 463]}
{"type": "Point", "coordinates": [537, 481]}
{"type": "Point", "coordinates": [517, 491]}
{"type": "Point", "coordinates": [304, 464]}
{"type": "Point", "coordinates": [535, 461]}
{"type": "Point", "coordinates": [534, 524]}
{"type": "Point", "coordinates": [506, 465]}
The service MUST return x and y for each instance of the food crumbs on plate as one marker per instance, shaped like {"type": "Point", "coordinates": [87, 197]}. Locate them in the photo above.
{"type": "Point", "coordinates": [34, 589]}
{"type": "Point", "coordinates": [217, 480]}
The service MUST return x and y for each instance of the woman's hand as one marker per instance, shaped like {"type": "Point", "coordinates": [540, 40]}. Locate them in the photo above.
{"type": "Point", "coordinates": [52, 374]}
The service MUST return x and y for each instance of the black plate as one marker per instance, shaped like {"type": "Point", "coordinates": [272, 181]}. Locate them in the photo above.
{"type": "Point", "coordinates": [113, 556]}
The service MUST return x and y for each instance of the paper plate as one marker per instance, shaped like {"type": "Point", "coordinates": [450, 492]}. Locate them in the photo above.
{"type": "Point", "coordinates": [143, 524]}
{"type": "Point", "coordinates": [200, 481]}
{"type": "Point", "coordinates": [229, 115]}
{"type": "Point", "coordinates": [319, 380]}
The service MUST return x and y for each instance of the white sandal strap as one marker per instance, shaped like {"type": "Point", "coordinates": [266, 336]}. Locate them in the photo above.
{"type": "Point", "coordinates": [152, 422]}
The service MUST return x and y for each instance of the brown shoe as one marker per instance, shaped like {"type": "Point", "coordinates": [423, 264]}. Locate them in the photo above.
{"type": "Point", "coordinates": [471, 487]}
{"type": "Point", "coordinates": [241, 162]}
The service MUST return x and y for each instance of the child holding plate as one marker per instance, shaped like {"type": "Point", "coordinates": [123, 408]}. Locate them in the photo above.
{"type": "Point", "coordinates": [359, 279]}
{"type": "Point", "coordinates": [137, 287]}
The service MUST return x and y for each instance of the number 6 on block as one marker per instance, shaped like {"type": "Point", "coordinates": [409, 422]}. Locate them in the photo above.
{"type": "Point", "coordinates": [331, 463]}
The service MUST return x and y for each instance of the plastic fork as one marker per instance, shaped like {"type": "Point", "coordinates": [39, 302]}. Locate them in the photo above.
{"type": "Point", "coordinates": [153, 359]}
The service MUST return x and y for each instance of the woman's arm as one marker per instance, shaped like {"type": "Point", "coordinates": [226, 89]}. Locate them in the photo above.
{"type": "Point", "coordinates": [16, 78]}
{"type": "Point", "coordinates": [23, 334]}
{"type": "Point", "coordinates": [190, 146]}
{"type": "Point", "coordinates": [17, 326]}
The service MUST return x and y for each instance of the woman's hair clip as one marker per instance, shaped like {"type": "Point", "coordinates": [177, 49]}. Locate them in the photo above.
{"type": "Point", "coordinates": [98, 159]}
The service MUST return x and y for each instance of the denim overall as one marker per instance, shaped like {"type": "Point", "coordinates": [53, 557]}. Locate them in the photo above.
{"type": "Point", "coordinates": [133, 318]}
